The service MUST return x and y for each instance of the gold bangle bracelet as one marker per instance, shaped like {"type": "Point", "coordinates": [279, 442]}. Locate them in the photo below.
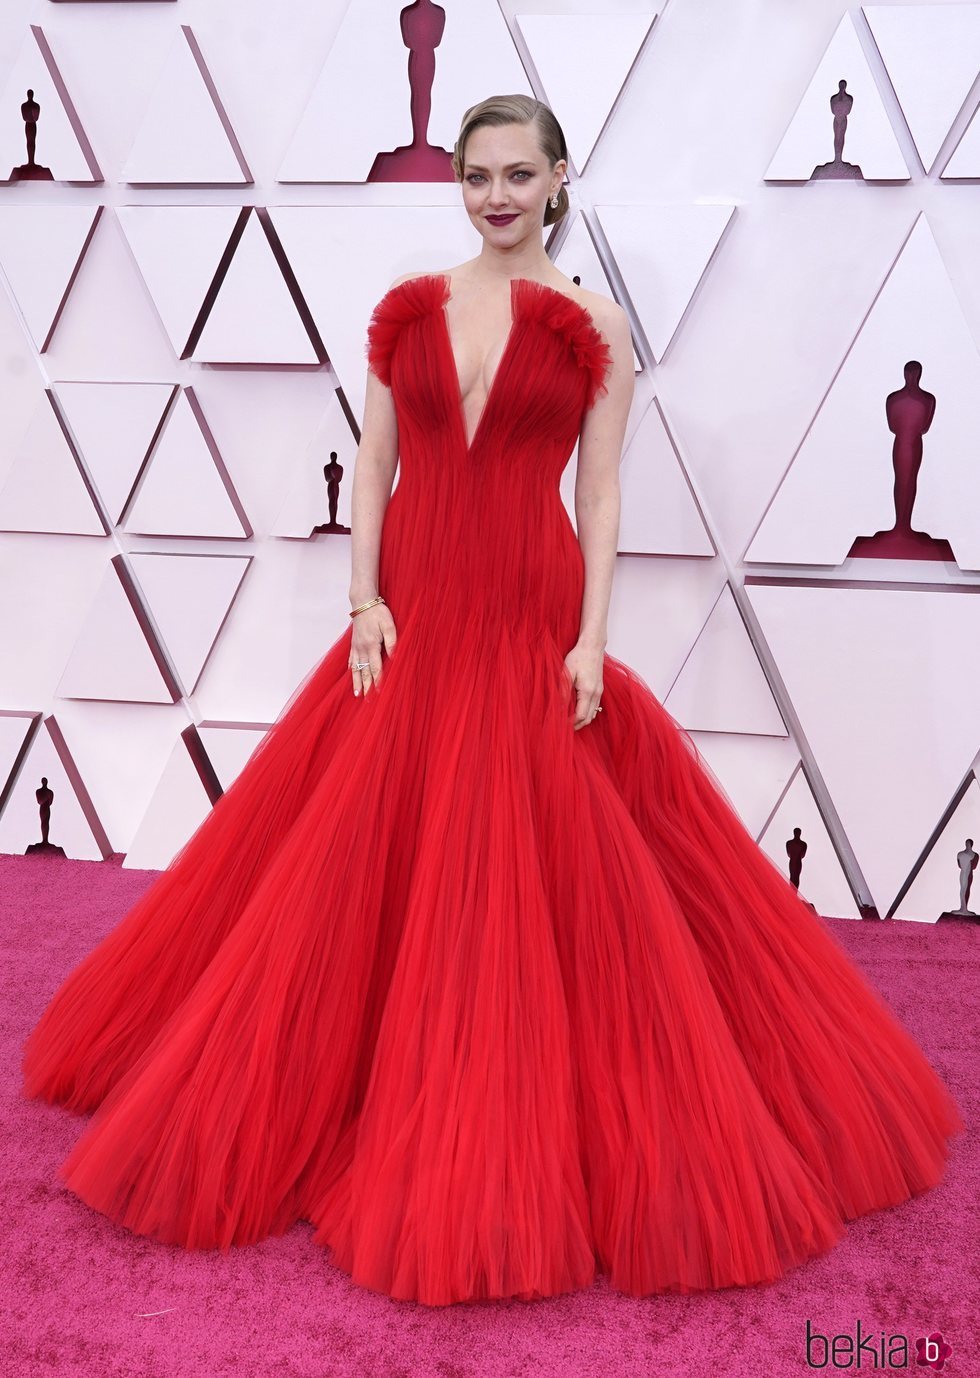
{"type": "Point", "coordinates": [370, 604]}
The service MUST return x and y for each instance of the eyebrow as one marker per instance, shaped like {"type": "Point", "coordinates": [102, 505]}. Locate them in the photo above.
{"type": "Point", "coordinates": [475, 167]}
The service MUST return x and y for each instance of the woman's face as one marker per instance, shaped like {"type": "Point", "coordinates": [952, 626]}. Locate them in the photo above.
{"type": "Point", "coordinates": [507, 182]}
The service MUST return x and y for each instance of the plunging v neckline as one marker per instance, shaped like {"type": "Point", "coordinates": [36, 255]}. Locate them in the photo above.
{"type": "Point", "coordinates": [470, 441]}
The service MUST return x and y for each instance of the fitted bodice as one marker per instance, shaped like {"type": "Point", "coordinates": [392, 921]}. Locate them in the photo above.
{"type": "Point", "coordinates": [553, 365]}
{"type": "Point", "coordinates": [483, 516]}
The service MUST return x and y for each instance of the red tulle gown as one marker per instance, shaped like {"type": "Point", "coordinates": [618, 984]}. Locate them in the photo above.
{"type": "Point", "coordinates": [496, 1005]}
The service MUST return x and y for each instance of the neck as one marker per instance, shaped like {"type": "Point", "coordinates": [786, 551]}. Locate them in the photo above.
{"type": "Point", "coordinates": [523, 261]}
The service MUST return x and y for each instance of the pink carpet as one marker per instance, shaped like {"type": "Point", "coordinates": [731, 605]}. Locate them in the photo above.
{"type": "Point", "coordinates": [85, 1297]}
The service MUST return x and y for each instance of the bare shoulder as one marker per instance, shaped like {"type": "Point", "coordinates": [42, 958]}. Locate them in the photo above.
{"type": "Point", "coordinates": [410, 277]}
{"type": "Point", "coordinates": [460, 276]}
{"type": "Point", "coordinates": [606, 313]}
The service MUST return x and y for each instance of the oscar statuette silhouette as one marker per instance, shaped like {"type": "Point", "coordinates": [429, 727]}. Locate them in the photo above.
{"type": "Point", "coordinates": [45, 798]}
{"type": "Point", "coordinates": [966, 860]}
{"type": "Point", "coordinates": [796, 851]}
{"type": "Point", "coordinates": [333, 472]}
{"type": "Point", "coordinates": [909, 413]}
{"type": "Point", "coordinates": [840, 105]}
{"type": "Point", "coordinates": [31, 171]}
{"type": "Point", "coordinates": [422, 26]}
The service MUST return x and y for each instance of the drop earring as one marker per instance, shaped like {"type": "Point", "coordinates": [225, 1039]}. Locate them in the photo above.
{"type": "Point", "coordinates": [554, 201]}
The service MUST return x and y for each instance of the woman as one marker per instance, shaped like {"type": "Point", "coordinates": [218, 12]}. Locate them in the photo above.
{"type": "Point", "coordinates": [478, 974]}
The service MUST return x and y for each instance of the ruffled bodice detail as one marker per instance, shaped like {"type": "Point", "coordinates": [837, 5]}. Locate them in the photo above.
{"type": "Point", "coordinates": [400, 304]}
{"type": "Point", "coordinates": [574, 325]}
{"type": "Point", "coordinates": [428, 294]}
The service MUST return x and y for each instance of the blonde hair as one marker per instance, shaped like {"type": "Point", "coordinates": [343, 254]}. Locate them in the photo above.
{"type": "Point", "coordinates": [518, 109]}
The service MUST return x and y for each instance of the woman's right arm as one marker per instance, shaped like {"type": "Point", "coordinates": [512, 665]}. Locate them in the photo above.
{"type": "Point", "coordinates": [374, 474]}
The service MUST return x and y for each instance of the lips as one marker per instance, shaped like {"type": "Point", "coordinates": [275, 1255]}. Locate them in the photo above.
{"type": "Point", "coordinates": [501, 219]}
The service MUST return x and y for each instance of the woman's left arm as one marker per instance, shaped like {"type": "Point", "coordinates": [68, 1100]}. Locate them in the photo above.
{"type": "Point", "coordinates": [597, 509]}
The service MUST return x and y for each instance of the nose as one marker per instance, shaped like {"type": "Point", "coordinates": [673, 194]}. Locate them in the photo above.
{"type": "Point", "coordinates": [499, 195]}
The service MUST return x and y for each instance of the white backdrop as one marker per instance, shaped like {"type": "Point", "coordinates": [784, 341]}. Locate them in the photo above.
{"type": "Point", "coordinates": [182, 318]}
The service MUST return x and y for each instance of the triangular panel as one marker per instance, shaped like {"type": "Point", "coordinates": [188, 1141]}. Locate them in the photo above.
{"type": "Point", "coordinates": [932, 55]}
{"type": "Point", "coordinates": [752, 771]}
{"type": "Point", "coordinates": [662, 253]}
{"type": "Point", "coordinates": [306, 504]}
{"type": "Point", "coordinates": [883, 682]}
{"type": "Point", "coordinates": [656, 609]}
{"type": "Point", "coordinates": [73, 825]}
{"type": "Point", "coordinates": [41, 251]}
{"type": "Point", "coordinates": [44, 489]}
{"type": "Point", "coordinates": [658, 513]}
{"type": "Point", "coordinates": [822, 879]}
{"type": "Point", "coordinates": [964, 162]}
{"type": "Point", "coordinates": [722, 687]}
{"type": "Point", "coordinates": [113, 426]}
{"type": "Point", "coordinates": [230, 747]}
{"type": "Point", "coordinates": [578, 260]}
{"type": "Point", "coordinates": [185, 489]}
{"type": "Point", "coordinates": [404, 239]}
{"type": "Point", "coordinates": [114, 656]}
{"type": "Point", "coordinates": [840, 130]}
{"type": "Point", "coordinates": [185, 137]}
{"type": "Point", "coordinates": [936, 887]}
{"type": "Point", "coordinates": [177, 250]}
{"type": "Point", "coordinates": [583, 61]}
{"type": "Point", "coordinates": [179, 806]}
{"type": "Point", "coordinates": [842, 481]}
{"type": "Point", "coordinates": [62, 152]}
{"type": "Point", "coordinates": [254, 319]}
{"type": "Point", "coordinates": [188, 597]}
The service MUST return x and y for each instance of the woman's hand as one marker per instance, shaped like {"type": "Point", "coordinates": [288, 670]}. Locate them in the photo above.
{"type": "Point", "coordinates": [584, 664]}
{"type": "Point", "coordinates": [373, 628]}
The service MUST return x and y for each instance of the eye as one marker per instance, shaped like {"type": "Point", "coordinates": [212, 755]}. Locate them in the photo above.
{"type": "Point", "coordinates": [474, 177]}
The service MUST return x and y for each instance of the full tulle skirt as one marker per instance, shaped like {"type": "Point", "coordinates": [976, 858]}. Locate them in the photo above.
{"type": "Point", "coordinates": [494, 1004]}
